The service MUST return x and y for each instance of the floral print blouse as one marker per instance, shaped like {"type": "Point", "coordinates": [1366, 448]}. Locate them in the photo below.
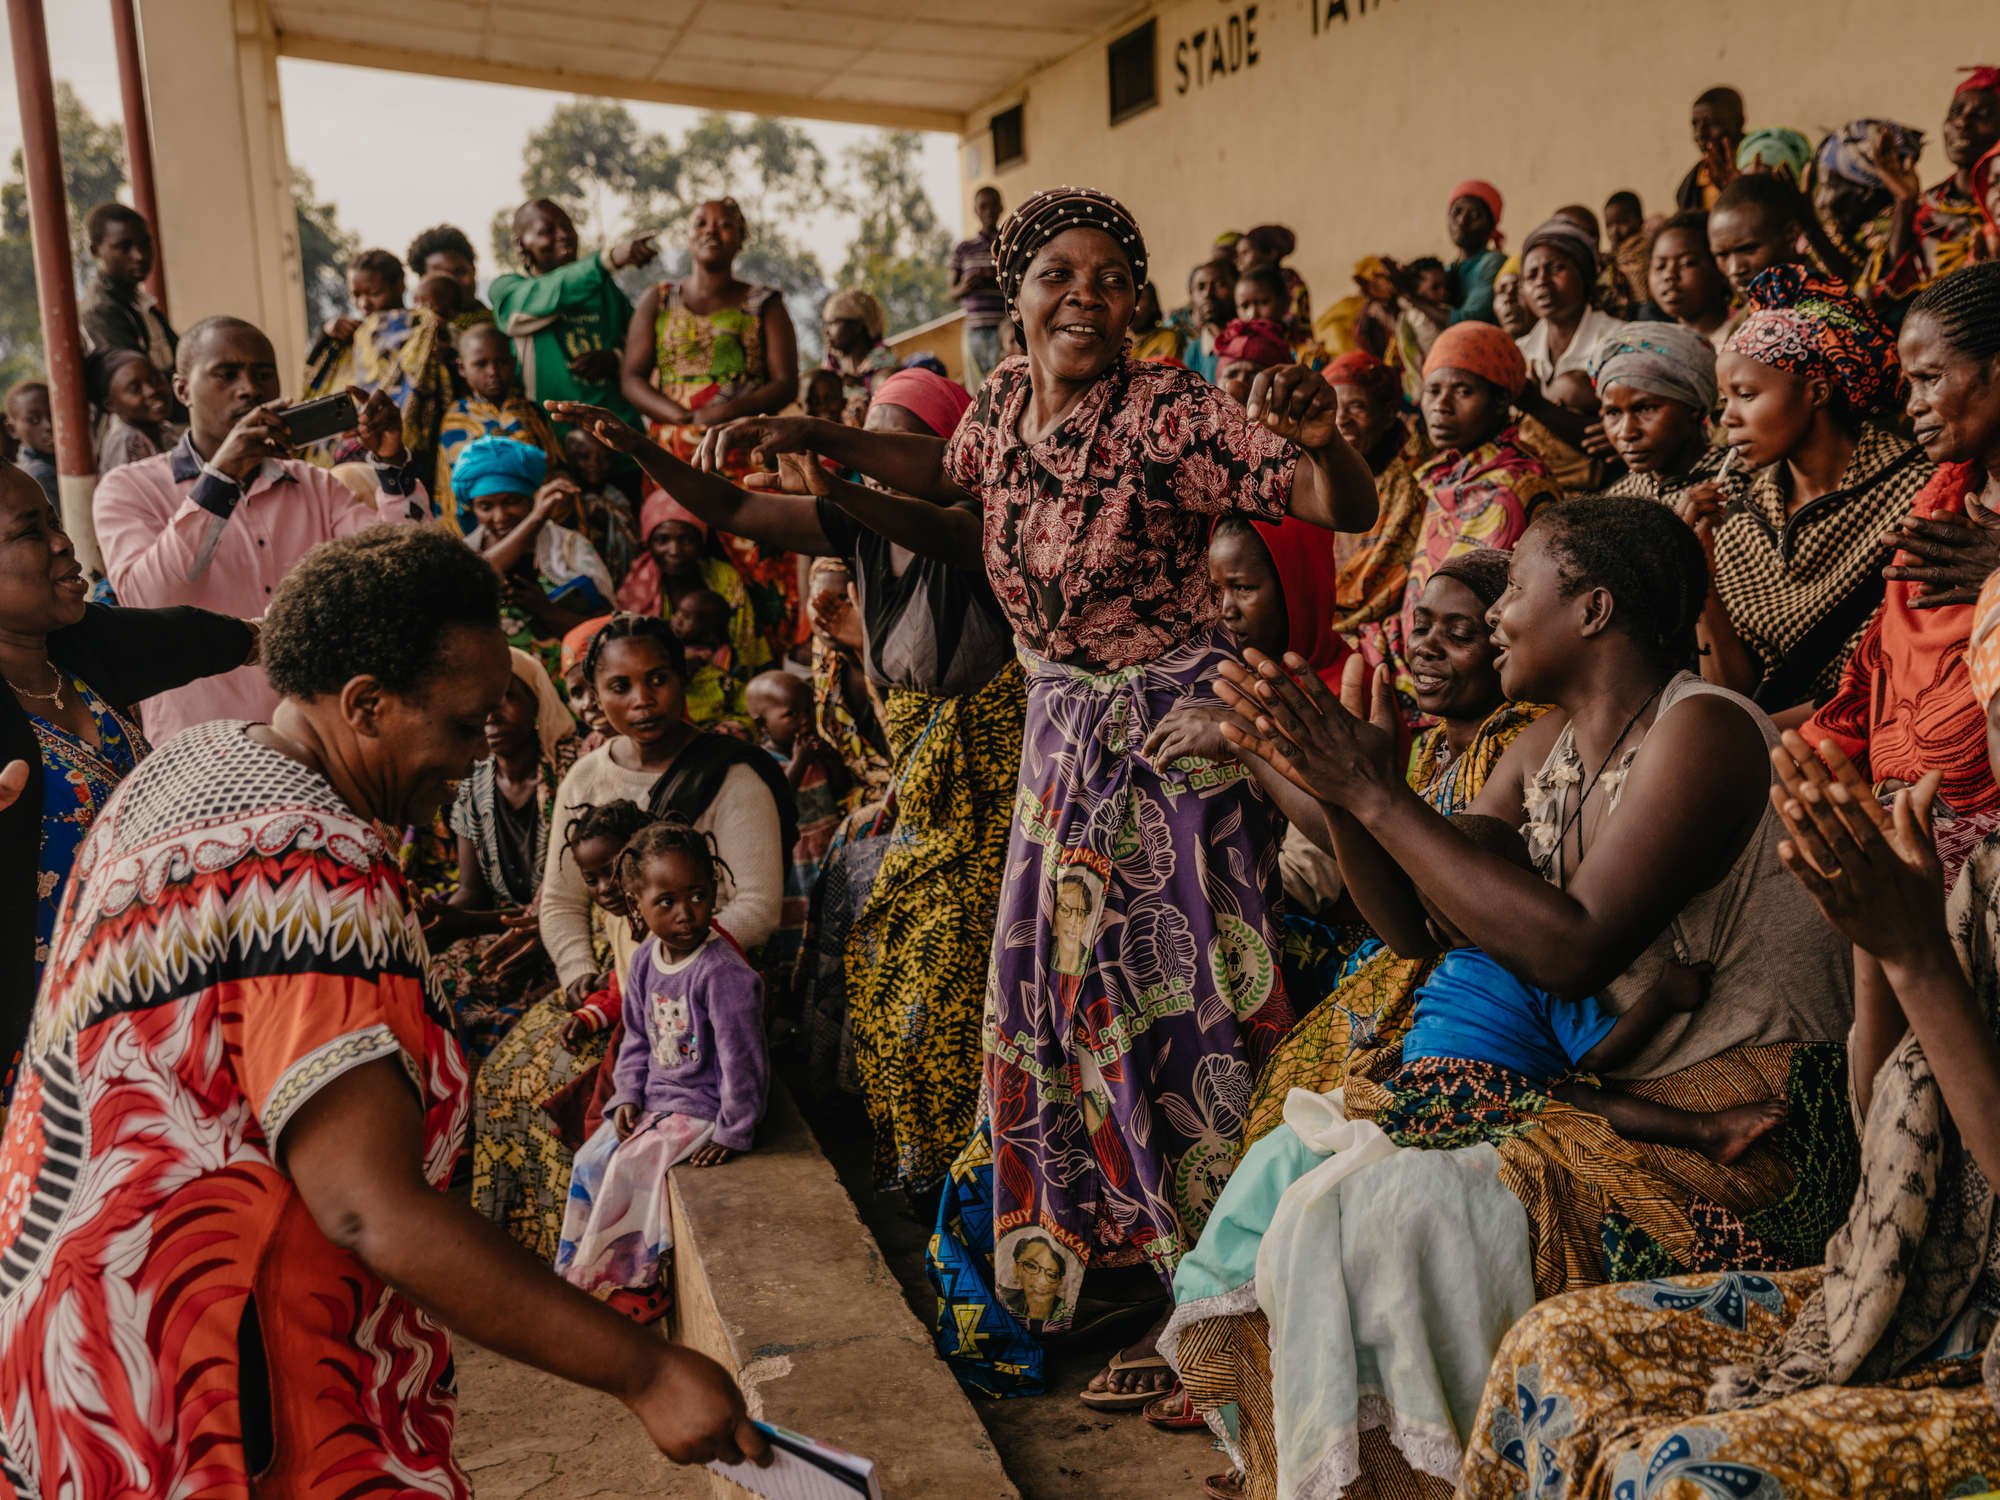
{"type": "Point", "coordinates": [1096, 537]}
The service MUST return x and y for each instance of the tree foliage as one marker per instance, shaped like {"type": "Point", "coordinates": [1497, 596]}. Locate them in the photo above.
{"type": "Point", "coordinates": [614, 177]}
{"type": "Point", "coordinates": [93, 155]}
{"type": "Point", "coordinates": [900, 250]}
{"type": "Point", "coordinates": [325, 248]}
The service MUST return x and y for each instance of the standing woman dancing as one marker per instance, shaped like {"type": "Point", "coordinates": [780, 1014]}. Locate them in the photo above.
{"type": "Point", "coordinates": [1134, 988]}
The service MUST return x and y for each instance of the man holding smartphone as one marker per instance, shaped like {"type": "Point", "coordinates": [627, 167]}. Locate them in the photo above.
{"type": "Point", "coordinates": [222, 518]}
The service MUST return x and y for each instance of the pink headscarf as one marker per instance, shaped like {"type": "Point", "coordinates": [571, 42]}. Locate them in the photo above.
{"type": "Point", "coordinates": [926, 395]}
{"type": "Point", "coordinates": [640, 592]}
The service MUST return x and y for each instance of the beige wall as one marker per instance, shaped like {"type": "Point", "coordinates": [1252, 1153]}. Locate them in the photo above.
{"type": "Point", "coordinates": [1354, 136]}
{"type": "Point", "coordinates": [228, 228]}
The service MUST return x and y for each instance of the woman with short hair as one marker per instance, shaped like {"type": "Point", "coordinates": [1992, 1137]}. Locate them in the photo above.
{"type": "Point", "coordinates": [239, 1065]}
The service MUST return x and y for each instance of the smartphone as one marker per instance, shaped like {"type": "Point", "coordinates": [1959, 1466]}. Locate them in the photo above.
{"type": "Point", "coordinates": [312, 421]}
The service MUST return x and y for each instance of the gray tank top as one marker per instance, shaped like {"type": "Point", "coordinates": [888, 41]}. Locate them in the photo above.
{"type": "Point", "coordinates": [1782, 974]}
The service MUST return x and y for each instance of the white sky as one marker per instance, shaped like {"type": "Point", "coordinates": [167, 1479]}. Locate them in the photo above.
{"type": "Point", "coordinates": [353, 129]}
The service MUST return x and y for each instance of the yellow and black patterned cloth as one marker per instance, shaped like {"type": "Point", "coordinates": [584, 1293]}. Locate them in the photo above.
{"type": "Point", "coordinates": [917, 956]}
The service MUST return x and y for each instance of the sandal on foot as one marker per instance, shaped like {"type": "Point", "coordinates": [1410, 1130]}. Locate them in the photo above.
{"type": "Point", "coordinates": [1175, 1412]}
{"type": "Point", "coordinates": [1224, 1486]}
{"type": "Point", "coordinates": [641, 1307]}
{"type": "Point", "coordinates": [1125, 1400]}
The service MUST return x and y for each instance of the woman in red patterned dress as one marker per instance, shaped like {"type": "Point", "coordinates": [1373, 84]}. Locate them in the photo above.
{"type": "Point", "coordinates": [221, 1182]}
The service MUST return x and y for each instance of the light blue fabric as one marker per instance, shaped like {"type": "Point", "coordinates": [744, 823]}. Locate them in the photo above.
{"type": "Point", "coordinates": [497, 466]}
{"type": "Point", "coordinates": [1472, 1008]}
{"type": "Point", "coordinates": [1388, 1277]}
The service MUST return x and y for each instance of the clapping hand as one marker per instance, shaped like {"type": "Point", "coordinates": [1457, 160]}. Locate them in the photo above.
{"type": "Point", "coordinates": [835, 619]}
{"type": "Point", "coordinates": [1338, 751]}
{"type": "Point", "coordinates": [1874, 873]}
{"type": "Point", "coordinates": [1295, 403]}
{"type": "Point", "coordinates": [1949, 557]}
{"type": "Point", "coordinates": [1898, 173]}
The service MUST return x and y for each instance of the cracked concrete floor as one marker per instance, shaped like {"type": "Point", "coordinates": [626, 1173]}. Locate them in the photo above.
{"type": "Point", "coordinates": [523, 1435]}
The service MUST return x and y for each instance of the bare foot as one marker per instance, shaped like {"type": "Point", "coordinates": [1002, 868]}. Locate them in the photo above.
{"type": "Point", "coordinates": [1728, 1133]}
{"type": "Point", "coordinates": [1149, 1380]}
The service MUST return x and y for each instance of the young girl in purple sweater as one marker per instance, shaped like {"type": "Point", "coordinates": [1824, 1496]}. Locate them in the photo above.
{"type": "Point", "coordinates": [690, 1079]}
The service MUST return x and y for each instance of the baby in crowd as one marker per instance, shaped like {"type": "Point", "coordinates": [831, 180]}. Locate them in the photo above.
{"type": "Point", "coordinates": [1471, 1009]}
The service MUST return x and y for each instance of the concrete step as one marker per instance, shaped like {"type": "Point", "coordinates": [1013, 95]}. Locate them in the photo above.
{"type": "Point", "coordinates": [776, 1277]}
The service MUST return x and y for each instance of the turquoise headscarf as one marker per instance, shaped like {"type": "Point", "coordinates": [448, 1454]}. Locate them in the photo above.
{"type": "Point", "coordinates": [1778, 148]}
{"type": "Point", "coordinates": [495, 466]}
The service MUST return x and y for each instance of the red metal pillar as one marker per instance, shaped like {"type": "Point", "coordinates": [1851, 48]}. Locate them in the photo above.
{"type": "Point", "coordinates": [55, 284]}
{"type": "Point", "coordinates": [138, 135]}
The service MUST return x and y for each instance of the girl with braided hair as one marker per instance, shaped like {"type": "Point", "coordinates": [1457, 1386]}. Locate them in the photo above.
{"type": "Point", "coordinates": [691, 1075]}
{"type": "Point", "coordinates": [662, 763]}
{"type": "Point", "coordinates": [1134, 986]}
{"type": "Point", "coordinates": [1643, 794]}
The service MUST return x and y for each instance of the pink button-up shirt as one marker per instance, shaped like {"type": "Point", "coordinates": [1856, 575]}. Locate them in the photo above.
{"type": "Point", "coordinates": [153, 531]}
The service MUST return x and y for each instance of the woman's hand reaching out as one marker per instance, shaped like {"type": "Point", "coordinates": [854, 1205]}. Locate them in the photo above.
{"type": "Point", "coordinates": [607, 427]}
{"type": "Point", "coordinates": [764, 438]}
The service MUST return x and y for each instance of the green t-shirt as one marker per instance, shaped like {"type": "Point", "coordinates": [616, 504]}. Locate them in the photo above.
{"type": "Point", "coordinates": [558, 315]}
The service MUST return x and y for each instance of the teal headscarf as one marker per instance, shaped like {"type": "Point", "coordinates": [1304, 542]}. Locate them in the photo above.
{"type": "Point", "coordinates": [1784, 150]}
{"type": "Point", "coordinates": [495, 466]}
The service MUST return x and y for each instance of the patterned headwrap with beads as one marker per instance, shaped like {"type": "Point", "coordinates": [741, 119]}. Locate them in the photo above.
{"type": "Point", "coordinates": [1808, 324]}
{"type": "Point", "coordinates": [1050, 212]}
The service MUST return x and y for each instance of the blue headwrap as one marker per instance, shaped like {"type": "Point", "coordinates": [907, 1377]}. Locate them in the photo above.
{"type": "Point", "coordinates": [495, 466]}
{"type": "Point", "coordinates": [1844, 154]}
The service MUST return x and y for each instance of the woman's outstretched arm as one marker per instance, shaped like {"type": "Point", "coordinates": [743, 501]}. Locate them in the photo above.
{"type": "Point", "coordinates": [788, 522]}
{"type": "Point", "coordinates": [355, 1151]}
{"type": "Point", "coordinates": [909, 463]}
{"type": "Point", "coordinates": [948, 533]}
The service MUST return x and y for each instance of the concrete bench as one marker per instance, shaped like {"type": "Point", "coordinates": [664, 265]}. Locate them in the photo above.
{"type": "Point", "coordinates": [776, 1277]}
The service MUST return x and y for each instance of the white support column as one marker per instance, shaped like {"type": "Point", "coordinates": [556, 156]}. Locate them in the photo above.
{"type": "Point", "coordinates": [223, 173]}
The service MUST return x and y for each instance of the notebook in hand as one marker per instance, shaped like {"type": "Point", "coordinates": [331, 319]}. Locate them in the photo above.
{"type": "Point", "coordinates": [802, 1469]}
